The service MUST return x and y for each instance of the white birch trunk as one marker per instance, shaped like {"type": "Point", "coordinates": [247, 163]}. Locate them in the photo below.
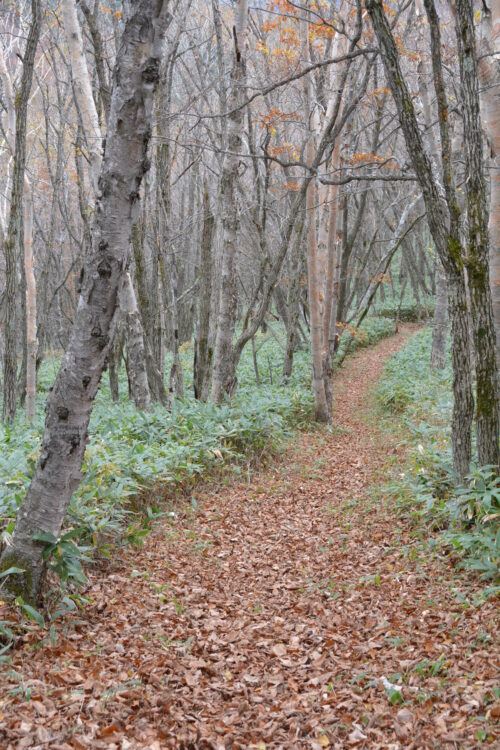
{"type": "Point", "coordinates": [82, 88]}
{"type": "Point", "coordinates": [69, 405]}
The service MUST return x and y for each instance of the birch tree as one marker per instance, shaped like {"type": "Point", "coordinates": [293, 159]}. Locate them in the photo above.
{"type": "Point", "coordinates": [69, 405]}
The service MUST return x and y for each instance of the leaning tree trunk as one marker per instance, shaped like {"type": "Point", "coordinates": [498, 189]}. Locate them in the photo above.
{"type": "Point", "coordinates": [69, 405]}
{"type": "Point", "coordinates": [92, 132]}
{"type": "Point", "coordinates": [11, 245]}
{"type": "Point", "coordinates": [445, 237]}
{"type": "Point", "coordinates": [477, 250]}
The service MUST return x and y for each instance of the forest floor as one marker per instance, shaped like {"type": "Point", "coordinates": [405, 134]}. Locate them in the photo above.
{"type": "Point", "coordinates": [273, 613]}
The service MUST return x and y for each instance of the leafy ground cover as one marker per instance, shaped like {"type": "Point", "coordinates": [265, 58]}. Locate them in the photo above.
{"type": "Point", "coordinates": [292, 608]}
{"type": "Point", "coordinates": [130, 452]}
{"type": "Point", "coordinates": [467, 516]}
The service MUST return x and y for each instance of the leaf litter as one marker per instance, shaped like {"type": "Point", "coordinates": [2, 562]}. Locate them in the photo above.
{"type": "Point", "coordinates": [284, 612]}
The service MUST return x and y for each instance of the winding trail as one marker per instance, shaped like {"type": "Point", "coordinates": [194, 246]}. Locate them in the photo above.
{"type": "Point", "coordinates": [272, 616]}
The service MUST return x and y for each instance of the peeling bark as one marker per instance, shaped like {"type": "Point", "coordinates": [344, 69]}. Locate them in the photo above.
{"type": "Point", "coordinates": [69, 405]}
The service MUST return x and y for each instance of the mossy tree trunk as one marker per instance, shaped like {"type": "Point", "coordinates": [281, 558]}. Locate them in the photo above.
{"type": "Point", "coordinates": [477, 249]}
{"type": "Point", "coordinates": [441, 218]}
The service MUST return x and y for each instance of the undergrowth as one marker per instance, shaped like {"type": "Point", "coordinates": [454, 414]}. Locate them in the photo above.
{"type": "Point", "coordinates": [136, 459]}
{"type": "Point", "coordinates": [465, 515]}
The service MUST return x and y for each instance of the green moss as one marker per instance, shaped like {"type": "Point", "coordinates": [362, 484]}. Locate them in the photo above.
{"type": "Point", "coordinates": [455, 251]}
{"type": "Point", "coordinates": [18, 584]}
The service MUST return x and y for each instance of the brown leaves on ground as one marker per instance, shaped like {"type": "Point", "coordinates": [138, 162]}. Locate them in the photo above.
{"type": "Point", "coordinates": [297, 611]}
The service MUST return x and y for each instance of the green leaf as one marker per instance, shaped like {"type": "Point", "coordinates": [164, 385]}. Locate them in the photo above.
{"type": "Point", "coordinates": [45, 536]}
{"type": "Point", "coordinates": [11, 571]}
{"type": "Point", "coordinates": [31, 612]}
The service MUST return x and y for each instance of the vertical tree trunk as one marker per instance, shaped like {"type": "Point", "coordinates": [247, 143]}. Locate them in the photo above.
{"type": "Point", "coordinates": [30, 311]}
{"type": "Point", "coordinates": [202, 351]}
{"type": "Point", "coordinates": [315, 296]}
{"type": "Point", "coordinates": [69, 405]}
{"type": "Point", "coordinates": [176, 379]}
{"type": "Point", "coordinates": [136, 357]}
{"type": "Point", "coordinates": [224, 372]}
{"type": "Point", "coordinates": [114, 363]}
{"type": "Point", "coordinates": [477, 250]}
{"type": "Point", "coordinates": [293, 300]}
{"type": "Point", "coordinates": [82, 88]}
{"type": "Point", "coordinates": [489, 73]}
{"type": "Point", "coordinates": [440, 323]}
{"type": "Point", "coordinates": [11, 245]}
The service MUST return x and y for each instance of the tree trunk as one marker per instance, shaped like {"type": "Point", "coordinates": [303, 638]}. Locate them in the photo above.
{"type": "Point", "coordinates": [444, 232]}
{"type": "Point", "coordinates": [136, 357]}
{"type": "Point", "coordinates": [11, 245]}
{"type": "Point", "coordinates": [440, 324]}
{"type": "Point", "coordinates": [224, 372]}
{"type": "Point", "coordinates": [202, 351]}
{"type": "Point", "coordinates": [82, 88]}
{"type": "Point", "coordinates": [293, 300]}
{"type": "Point", "coordinates": [489, 73]}
{"type": "Point", "coordinates": [69, 405]}
{"type": "Point", "coordinates": [114, 363]}
{"type": "Point", "coordinates": [30, 311]}
{"type": "Point", "coordinates": [176, 379]}
{"type": "Point", "coordinates": [477, 250]}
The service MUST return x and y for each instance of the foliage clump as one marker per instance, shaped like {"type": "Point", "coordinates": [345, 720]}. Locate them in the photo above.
{"type": "Point", "coordinates": [466, 514]}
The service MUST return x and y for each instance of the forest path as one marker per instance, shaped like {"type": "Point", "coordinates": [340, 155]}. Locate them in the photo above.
{"type": "Point", "coordinates": [270, 616]}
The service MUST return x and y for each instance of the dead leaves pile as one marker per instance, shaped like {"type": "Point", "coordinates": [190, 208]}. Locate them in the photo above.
{"type": "Point", "coordinates": [296, 611]}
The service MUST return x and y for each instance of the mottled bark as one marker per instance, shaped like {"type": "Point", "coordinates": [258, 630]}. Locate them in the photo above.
{"type": "Point", "coordinates": [440, 322]}
{"type": "Point", "coordinates": [224, 370]}
{"type": "Point", "coordinates": [69, 405]}
{"type": "Point", "coordinates": [155, 379]}
{"type": "Point", "coordinates": [443, 230]}
{"type": "Point", "coordinates": [477, 247]}
{"type": "Point", "coordinates": [136, 358]}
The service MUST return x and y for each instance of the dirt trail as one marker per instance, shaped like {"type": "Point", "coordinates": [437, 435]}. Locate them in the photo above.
{"type": "Point", "coordinates": [270, 616]}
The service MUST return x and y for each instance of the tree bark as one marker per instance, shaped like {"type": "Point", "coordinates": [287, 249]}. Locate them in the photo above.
{"type": "Point", "coordinates": [445, 237]}
{"type": "Point", "coordinates": [11, 245]}
{"type": "Point", "coordinates": [489, 73]}
{"type": "Point", "coordinates": [224, 370]}
{"type": "Point", "coordinates": [136, 357]}
{"type": "Point", "coordinates": [440, 323]}
{"type": "Point", "coordinates": [477, 249]}
{"type": "Point", "coordinates": [202, 351]}
{"type": "Point", "coordinates": [69, 405]}
{"type": "Point", "coordinates": [32, 344]}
